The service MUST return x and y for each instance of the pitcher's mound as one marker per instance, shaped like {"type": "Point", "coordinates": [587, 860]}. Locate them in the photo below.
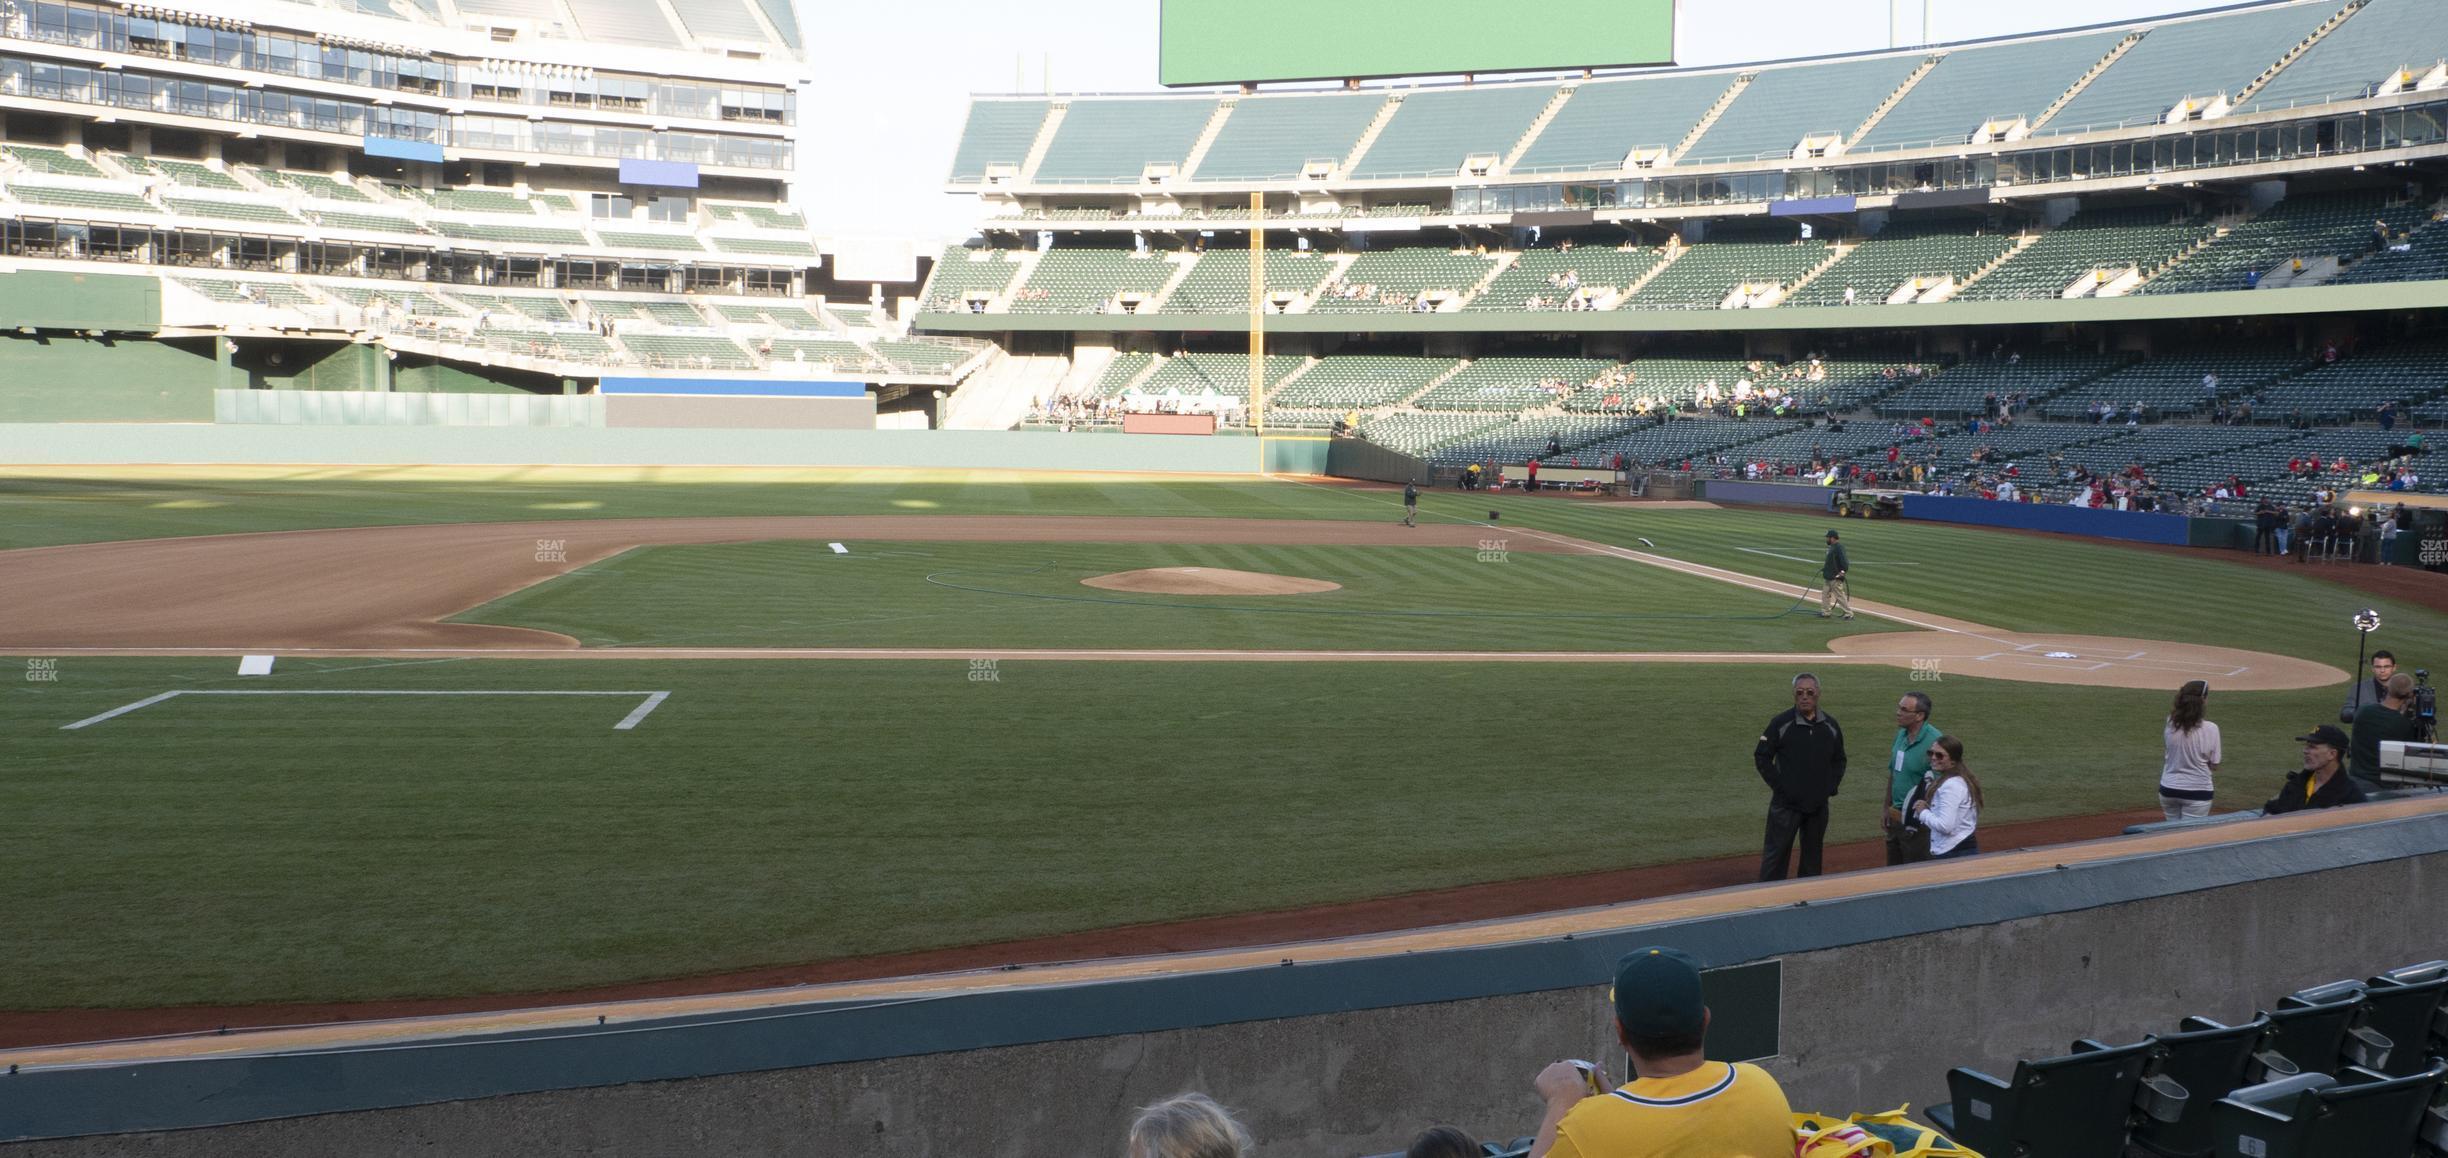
{"type": "Point", "coordinates": [1208, 581]}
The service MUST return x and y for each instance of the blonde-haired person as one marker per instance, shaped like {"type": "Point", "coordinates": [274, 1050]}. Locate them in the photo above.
{"type": "Point", "coordinates": [2193, 754]}
{"type": "Point", "coordinates": [1950, 807]}
{"type": "Point", "coordinates": [1188, 1126]}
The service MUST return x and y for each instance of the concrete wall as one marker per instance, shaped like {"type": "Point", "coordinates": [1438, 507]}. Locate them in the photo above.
{"type": "Point", "coordinates": [115, 443]}
{"type": "Point", "coordinates": [1866, 1026]}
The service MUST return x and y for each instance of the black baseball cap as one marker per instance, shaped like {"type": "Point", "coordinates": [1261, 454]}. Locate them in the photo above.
{"type": "Point", "coordinates": [2326, 734]}
{"type": "Point", "coordinates": [1832, 534]}
{"type": "Point", "coordinates": [1657, 993]}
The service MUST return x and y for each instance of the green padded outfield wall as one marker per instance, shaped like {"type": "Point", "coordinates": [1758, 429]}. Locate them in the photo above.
{"type": "Point", "coordinates": [49, 300]}
{"type": "Point", "coordinates": [57, 377]}
{"type": "Point", "coordinates": [1231, 41]}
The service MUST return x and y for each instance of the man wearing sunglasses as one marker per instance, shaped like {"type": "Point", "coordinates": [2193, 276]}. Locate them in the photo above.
{"type": "Point", "coordinates": [1801, 756]}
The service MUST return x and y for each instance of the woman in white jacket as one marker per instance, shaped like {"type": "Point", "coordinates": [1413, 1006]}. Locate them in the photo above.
{"type": "Point", "coordinates": [1951, 804]}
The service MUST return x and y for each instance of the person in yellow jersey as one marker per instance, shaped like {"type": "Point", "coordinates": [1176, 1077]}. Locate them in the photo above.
{"type": "Point", "coordinates": [1679, 1104]}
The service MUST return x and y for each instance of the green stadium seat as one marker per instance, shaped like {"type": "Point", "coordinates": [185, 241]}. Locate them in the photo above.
{"type": "Point", "coordinates": [2191, 58]}
{"type": "Point", "coordinates": [2380, 37]}
{"type": "Point", "coordinates": [59, 162]}
{"type": "Point", "coordinates": [1973, 86]}
{"type": "Point", "coordinates": [1218, 283]}
{"type": "Point", "coordinates": [2207, 1059]}
{"type": "Point", "coordinates": [192, 174]}
{"type": "Point", "coordinates": [2357, 1114]}
{"type": "Point", "coordinates": [1082, 280]}
{"type": "Point", "coordinates": [664, 242]}
{"type": "Point", "coordinates": [1277, 138]}
{"type": "Point", "coordinates": [74, 197]}
{"type": "Point", "coordinates": [1436, 130]}
{"type": "Point", "coordinates": [1399, 278]}
{"type": "Point", "coordinates": [2401, 1005]}
{"type": "Point", "coordinates": [2076, 1106]}
{"type": "Point", "coordinates": [1112, 142]}
{"type": "Point", "coordinates": [2312, 1028]}
{"type": "Point", "coordinates": [1784, 105]}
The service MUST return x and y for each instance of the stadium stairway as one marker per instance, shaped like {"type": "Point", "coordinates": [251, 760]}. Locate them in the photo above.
{"type": "Point", "coordinates": [997, 396]}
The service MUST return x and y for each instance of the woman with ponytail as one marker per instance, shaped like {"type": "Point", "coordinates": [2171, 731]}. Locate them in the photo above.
{"type": "Point", "coordinates": [1951, 805]}
{"type": "Point", "coordinates": [2192, 755]}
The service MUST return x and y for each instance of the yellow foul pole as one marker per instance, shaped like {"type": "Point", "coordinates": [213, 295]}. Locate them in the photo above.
{"type": "Point", "coordinates": [1257, 323]}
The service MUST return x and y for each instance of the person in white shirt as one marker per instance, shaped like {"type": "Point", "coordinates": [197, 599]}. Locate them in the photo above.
{"type": "Point", "coordinates": [2193, 755]}
{"type": "Point", "coordinates": [1950, 805]}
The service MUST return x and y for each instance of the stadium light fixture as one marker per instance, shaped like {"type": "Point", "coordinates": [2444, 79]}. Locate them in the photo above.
{"type": "Point", "coordinates": [2367, 620]}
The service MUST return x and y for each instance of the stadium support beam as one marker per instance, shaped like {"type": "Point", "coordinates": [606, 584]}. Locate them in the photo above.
{"type": "Point", "coordinates": [1257, 320]}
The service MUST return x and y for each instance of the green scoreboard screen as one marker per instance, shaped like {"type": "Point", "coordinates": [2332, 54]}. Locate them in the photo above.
{"type": "Point", "coordinates": [1236, 41]}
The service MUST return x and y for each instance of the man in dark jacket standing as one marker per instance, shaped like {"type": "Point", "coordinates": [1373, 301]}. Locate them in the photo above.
{"type": "Point", "coordinates": [1834, 594]}
{"type": "Point", "coordinates": [1801, 755]}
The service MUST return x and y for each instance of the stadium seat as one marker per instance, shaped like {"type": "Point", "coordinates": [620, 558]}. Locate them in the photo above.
{"type": "Point", "coordinates": [2357, 1114]}
{"type": "Point", "coordinates": [2076, 1106]}
{"type": "Point", "coordinates": [2207, 1059]}
{"type": "Point", "coordinates": [2311, 1027]}
{"type": "Point", "coordinates": [2401, 1005]}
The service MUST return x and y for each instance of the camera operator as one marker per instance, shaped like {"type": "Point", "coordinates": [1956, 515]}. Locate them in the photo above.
{"type": "Point", "coordinates": [2383, 665]}
{"type": "Point", "coordinates": [2391, 718]}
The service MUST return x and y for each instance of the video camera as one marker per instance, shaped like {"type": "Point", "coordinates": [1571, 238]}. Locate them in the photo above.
{"type": "Point", "coordinates": [2425, 708]}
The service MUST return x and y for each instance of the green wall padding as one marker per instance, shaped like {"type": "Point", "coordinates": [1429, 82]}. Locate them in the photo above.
{"type": "Point", "coordinates": [57, 378]}
{"type": "Point", "coordinates": [80, 301]}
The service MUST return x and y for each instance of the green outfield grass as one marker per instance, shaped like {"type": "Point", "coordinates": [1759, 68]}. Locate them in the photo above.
{"type": "Point", "coordinates": [238, 849]}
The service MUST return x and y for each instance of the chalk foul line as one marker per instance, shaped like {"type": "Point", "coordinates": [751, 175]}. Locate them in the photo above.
{"type": "Point", "coordinates": [652, 700]}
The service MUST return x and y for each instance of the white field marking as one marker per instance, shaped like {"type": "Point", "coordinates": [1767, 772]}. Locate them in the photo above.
{"type": "Point", "coordinates": [838, 549]}
{"type": "Point", "coordinates": [653, 699]}
{"type": "Point", "coordinates": [641, 711]}
{"type": "Point", "coordinates": [1860, 563]}
{"type": "Point", "coordinates": [119, 711]}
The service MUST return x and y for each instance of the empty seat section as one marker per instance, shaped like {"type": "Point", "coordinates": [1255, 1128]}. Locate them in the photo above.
{"type": "Point", "coordinates": [193, 174]}
{"type": "Point", "coordinates": [2087, 243]}
{"type": "Point", "coordinates": [505, 233]}
{"type": "Point", "coordinates": [760, 216]}
{"type": "Point", "coordinates": [1088, 281]}
{"type": "Point", "coordinates": [2200, 59]}
{"type": "Point", "coordinates": [666, 242]}
{"type": "Point", "coordinates": [1359, 381]}
{"type": "Point", "coordinates": [2305, 227]}
{"type": "Point", "coordinates": [2359, 382]}
{"type": "Point", "coordinates": [1509, 383]}
{"type": "Point", "coordinates": [1606, 119]}
{"type": "Point", "coordinates": [77, 198]}
{"type": "Point", "coordinates": [312, 184]}
{"type": "Point", "coordinates": [688, 351]}
{"type": "Point", "coordinates": [1120, 373]}
{"type": "Point", "coordinates": [1784, 105]}
{"type": "Point", "coordinates": [634, 21]}
{"type": "Point", "coordinates": [1396, 279]}
{"type": "Point", "coordinates": [997, 133]}
{"type": "Point", "coordinates": [1436, 130]}
{"type": "Point", "coordinates": [480, 201]}
{"type": "Point", "coordinates": [961, 272]}
{"type": "Point", "coordinates": [1707, 273]}
{"type": "Point", "coordinates": [2171, 383]}
{"type": "Point", "coordinates": [61, 162]}
{"type": "Point", "coordinates": [1549, 278]}
{"type": "Point", "coordinates": [1963, 389]}
{"type": "Point", "coordinates": [924, 357]}
{"type": "Point", "coordinates": [369, 222]}
{"type": "Point", "coordinates": [229, 210]}
{"type": "Point", "coordinates": [1276, 138]}
{"type": "Point", "coordinates": [1417, 433]}
{"type": "Point", "coordinates": [2381, 36]}
{"type": "Point", "coordinates": [1112, 142]}
{"type": "Point", "coordinates": [1900, 255]}
{"type": "Point", "coordinates": [1671, 441]}
{"type": "Point", "coordinates": [1203, 373]}
{"type": "Point", "coordinates": [1975, 86]}
{"type": "Point", "coordinates": [1518, 441]}
{"type": "Point", "coordinates": [764, 246]}
{"type": "Point", "coordinates": [1219, 283]}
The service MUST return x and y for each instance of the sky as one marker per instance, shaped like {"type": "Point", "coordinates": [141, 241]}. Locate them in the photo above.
{"type": "Point", "coordinates": [892, 80]}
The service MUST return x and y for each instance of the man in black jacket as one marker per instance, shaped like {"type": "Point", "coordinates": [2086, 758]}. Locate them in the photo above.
{"type": "Point", "coordinates": [1801, 755]}
{"type": "Point", "coordinates": [2322, 782]}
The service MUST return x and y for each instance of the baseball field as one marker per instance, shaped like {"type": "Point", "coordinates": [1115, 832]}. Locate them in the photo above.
{"type": "Point", "coordinates": [532, 730]}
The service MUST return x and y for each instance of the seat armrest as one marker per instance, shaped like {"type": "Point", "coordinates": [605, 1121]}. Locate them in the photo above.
{"type": "Point", "coordinates": [2368, 1047]}
{"type": "Point", "coordinates": [2195, 1024]}
{"type": "Point", "coordinates": [2161, 1098]}
{"type": "Point", "coordinates": [2269, 1065]}
{"type": "Point", "coordinates": [2088, 1045]}
{"type": "Point", "coordinates": [2434, 1129]}
{"type": "Point", "coordinates": [2278, 1092]}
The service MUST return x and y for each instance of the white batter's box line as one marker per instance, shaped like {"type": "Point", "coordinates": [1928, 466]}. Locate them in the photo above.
{"type": "Point", "coordinates": [646, 706]}
{"type": "Point", "coordinates": [2121, 656]}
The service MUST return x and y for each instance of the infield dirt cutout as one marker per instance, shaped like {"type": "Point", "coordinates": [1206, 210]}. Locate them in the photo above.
{"type": "Point", "coordinates": [390, 591]}
{"type": "Point", "coordinates": [1207, 581]}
